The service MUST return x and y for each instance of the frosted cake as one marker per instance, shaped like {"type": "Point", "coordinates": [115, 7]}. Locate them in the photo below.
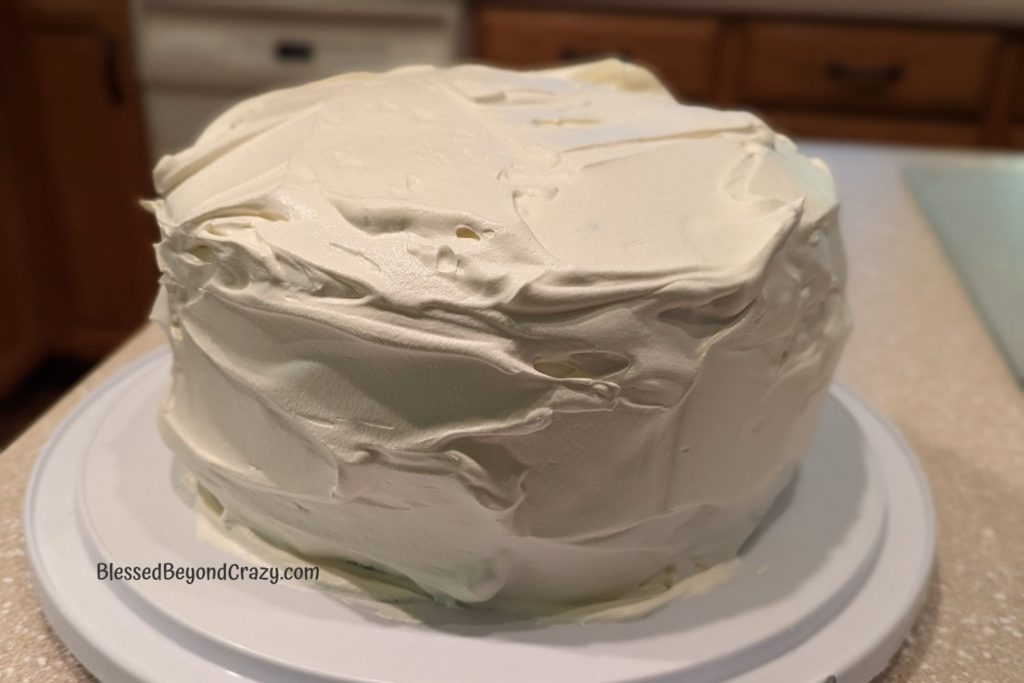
{"type": "Point", "coordinates": [521, 338]}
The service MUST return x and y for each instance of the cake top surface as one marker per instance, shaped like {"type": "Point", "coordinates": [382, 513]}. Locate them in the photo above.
{"type": "Point", "coordinates": [501, 184]}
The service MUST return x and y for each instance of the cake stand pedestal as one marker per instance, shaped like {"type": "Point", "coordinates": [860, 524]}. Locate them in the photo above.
{"type": "Point", "coordinates": [826, 590]}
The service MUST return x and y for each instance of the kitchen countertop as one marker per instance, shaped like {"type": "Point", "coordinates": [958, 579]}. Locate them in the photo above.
{"type": "Point", "coordinates": [919, 353]}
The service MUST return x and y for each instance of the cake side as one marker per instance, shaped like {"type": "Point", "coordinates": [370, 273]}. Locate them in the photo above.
{"type": "Point", "coordinates": [520, 337]}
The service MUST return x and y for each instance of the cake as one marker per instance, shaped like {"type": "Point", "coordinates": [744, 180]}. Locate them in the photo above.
{"type": "Point", "coordinates": [518, 337]}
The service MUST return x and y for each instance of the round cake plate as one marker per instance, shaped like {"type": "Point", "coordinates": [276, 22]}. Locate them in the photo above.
{"type": "Point", "coordinates": [828, 587]}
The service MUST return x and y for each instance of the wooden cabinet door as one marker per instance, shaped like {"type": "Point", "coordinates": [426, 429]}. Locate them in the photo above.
{"type": "Point", "coordinates": [867, 69]}
{"type": "Point", "coordinates": [1017, 104]}
{"type": "Point", "coordinates": [682, 51]}
{"type": "Point", "coordinates": [1017, 137]}
{"type": "Point", "coordinates": [92, 139]}
{"type": "Point", "coordinates": [20, 334]}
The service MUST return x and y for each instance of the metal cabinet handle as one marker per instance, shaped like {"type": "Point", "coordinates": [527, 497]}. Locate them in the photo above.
{"type": "Point", "coordinates": [865, 79]}
{"type": "Point", "coordinates": [294, 51]}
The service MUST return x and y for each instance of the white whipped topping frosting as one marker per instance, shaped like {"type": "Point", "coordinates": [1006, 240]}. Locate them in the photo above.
{"type": "Point", "coordinates": [519, 337]}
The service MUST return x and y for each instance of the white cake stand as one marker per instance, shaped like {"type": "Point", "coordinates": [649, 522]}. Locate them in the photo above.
{"type": "Point", "coordinates": [828, 588]}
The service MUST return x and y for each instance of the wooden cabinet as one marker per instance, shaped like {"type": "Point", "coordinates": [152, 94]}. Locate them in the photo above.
{"type": "Point", "coordinates": [93, 145]}
{"type": "Point", "coordinates": [21, 333]}
{"type": "Point", "coordinates": [1017, 96]}
{"type": "Point", "coordinates": [20, 330]}
{"type": "Point", "coordinates": [855, 80]}
{"type": "Point", "coordinates": [930, 72]}
{"type": "Point", "coordinates": [874, 128]}
{"type": "Point", "coordinates": [683, 52]}
{"type": "Point", "coordinates": [76, 263]}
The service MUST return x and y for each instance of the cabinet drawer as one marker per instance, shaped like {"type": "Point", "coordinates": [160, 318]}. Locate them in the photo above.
{"type": "Point", "coordinates": [680, 51]}
{"type": "Point", "coordinates": [869, 128]}
{"type": "Point", "coordinates": [863, 68]}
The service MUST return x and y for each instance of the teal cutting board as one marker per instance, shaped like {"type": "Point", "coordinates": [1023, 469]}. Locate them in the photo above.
{"type": "Point", "coordinates": [977, 212]}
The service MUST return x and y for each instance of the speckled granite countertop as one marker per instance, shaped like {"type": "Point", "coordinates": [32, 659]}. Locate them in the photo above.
{"type": "Point", "coordinates": [919, 353]}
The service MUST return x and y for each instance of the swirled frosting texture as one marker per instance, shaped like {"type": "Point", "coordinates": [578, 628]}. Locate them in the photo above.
{"type": "Point", "coordinates": [520, 337]}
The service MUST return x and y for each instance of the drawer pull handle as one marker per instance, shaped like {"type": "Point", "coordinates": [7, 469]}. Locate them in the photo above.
{"type": "Point", "coordinates": [865, 80]}
{"type": "Point", "coordinates": [112, 71]}
{"type": "Point", "coordinates": [294, 51]}
{"type": "Point", "coordinates": [571, 53]}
